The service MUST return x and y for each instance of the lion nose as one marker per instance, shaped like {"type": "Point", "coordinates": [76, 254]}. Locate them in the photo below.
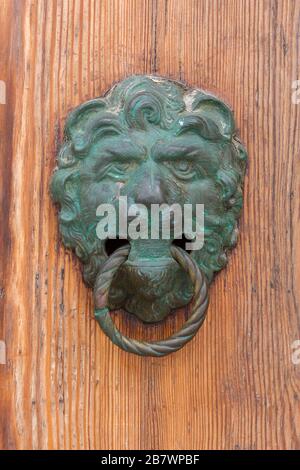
{"type": "Point", "coordinates": [149, 191]}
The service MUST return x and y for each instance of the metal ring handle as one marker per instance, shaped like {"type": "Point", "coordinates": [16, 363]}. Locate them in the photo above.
{"type": "Point", "coordinates": [155, 348]}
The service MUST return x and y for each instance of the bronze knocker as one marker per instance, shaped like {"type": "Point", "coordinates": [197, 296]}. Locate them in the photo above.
{"type": "Point", "coordinates": [156, 143]}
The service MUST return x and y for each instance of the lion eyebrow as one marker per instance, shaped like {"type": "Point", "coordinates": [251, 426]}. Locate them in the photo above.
{"type": "Point", "coordinates": [125, 153]}
{"type": "Point", "coordinates": [119, 150]}
{"type": "Point", "coordinates": [173, 151]}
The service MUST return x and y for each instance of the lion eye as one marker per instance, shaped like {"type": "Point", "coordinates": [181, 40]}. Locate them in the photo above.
{"type": "Point", "coordinates": [119, 169]}
{"type": "Point", "coordinates": [182, 168]}
{"type": "Point", "coordinates": [120, 166]}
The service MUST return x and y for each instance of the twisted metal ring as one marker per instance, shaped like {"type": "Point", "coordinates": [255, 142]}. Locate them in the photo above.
{"type": "Point", "coordinates": [155, 348]}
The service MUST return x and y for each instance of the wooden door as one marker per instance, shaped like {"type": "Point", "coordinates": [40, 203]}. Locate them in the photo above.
{"type": "Point", "coordinates": [63, 384]}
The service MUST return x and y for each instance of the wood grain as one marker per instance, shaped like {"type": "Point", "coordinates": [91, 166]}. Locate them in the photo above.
{"type": "Point", "coordinates": [65, 385]}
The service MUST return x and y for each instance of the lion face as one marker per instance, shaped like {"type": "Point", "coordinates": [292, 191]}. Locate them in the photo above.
{"type": "Point", "coordinates": [156, 142]}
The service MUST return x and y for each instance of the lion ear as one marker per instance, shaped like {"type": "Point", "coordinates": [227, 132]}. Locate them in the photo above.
{"type": "Point", "coordinates": [80, 116]}
{"type": "Point", "coordinates": [215, 113]}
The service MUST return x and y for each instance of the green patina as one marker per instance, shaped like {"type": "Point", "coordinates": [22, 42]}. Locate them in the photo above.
{"type": "Point", "coordinates": [153, 140]}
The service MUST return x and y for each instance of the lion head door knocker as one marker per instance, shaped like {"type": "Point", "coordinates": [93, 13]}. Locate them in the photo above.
{"type": "Point", "coordinates": [150, 144]}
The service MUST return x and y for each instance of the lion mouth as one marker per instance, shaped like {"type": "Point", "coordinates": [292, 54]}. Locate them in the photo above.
{"type": "Point", "coordinates": [150, 283]}
{"type": "Point", "coordinates": [150, 290]}
{"type": "Point", "coordinates": [150, 280]}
